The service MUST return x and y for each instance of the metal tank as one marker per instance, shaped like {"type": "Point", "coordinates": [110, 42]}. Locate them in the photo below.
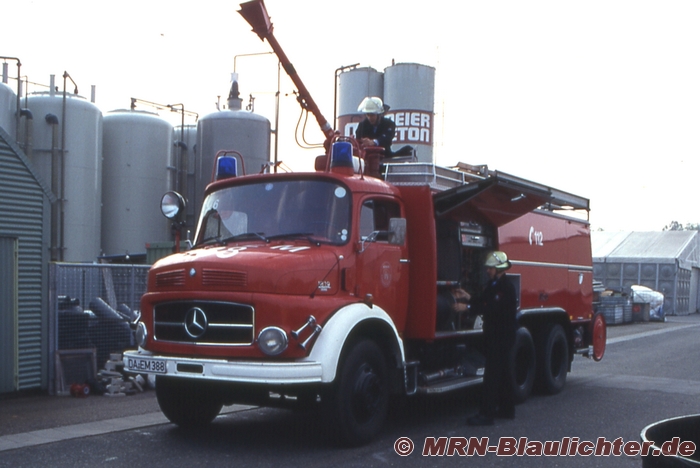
{"type": "Point", "coordinates": [137, 170]}
{"type": "Point", "coordinates": [8, 104]}
{"type": "Point", "coordinates": [409, 89]}
{"type": "Point", "coordinates": [353, 87]}
{"type": "Point", "coordinates": [184, 144]}
{"type": "Point", "coordinates": [231, 129]}
{"type": "Point", "coordinates": [70, 126]}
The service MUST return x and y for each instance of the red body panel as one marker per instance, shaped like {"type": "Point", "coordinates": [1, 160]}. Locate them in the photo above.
{"type": "Point", "coordinates": [553, 256]}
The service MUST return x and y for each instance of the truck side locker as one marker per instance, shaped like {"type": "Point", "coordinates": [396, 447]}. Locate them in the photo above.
{"type": "Point", "coordinates": [449, 272]}
{"type": "Point", "coordinates": [479, 209]}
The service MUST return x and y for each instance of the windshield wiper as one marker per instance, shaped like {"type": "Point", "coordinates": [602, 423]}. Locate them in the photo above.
{"type": "Point", "coordinates": [226, 240]}
{"type": "Point", "coordinates": [209, 240]}
{"type": "Point", "coordinates": [246, 235]}
{"type": "Point", "coordinates": [291, 234]}
{"type": "Point", "coordinates": [305, 235]}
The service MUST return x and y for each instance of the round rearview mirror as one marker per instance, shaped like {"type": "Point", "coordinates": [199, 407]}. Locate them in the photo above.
{"type": "Point", "coordinates": [172, 204]}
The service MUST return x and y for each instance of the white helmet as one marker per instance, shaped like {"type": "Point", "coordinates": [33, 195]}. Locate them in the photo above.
{"type": "Point", "coordinates": [498, 260]}
{"type": "Point", "coordinates": [371, 105]}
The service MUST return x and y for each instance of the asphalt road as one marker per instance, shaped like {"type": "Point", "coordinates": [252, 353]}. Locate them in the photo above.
{"type": "Point", "coordinates": [650, 372]}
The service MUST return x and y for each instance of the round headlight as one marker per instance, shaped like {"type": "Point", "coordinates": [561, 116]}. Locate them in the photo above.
{"type": "Point", "coordinates": [272, 341]}
{"type": "Point", "coordinates": [141, 334]}
{"type": "Point", "coordinates": [172, 204]}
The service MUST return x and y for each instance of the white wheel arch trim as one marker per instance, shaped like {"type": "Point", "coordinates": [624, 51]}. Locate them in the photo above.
{"type": "Point", "coordinates": [331, 340]}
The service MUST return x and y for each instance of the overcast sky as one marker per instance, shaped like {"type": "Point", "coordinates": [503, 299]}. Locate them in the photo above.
{"type": "Point", "coordinates": [600, 98]}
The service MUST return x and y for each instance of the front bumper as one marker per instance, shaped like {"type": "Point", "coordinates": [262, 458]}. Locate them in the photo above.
{"type": "Point", "coordinates": [252, 372]}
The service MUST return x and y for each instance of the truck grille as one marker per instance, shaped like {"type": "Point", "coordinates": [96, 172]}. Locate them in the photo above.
{"type": "Point", "coordinates": [202, 322]}
{"type": "Point", "coordinates": [224, 278]}
{"type": "Point", "coordinates": [167, 279]}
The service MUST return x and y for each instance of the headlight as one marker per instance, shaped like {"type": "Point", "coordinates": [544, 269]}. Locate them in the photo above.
{"type": "Point", "coordinates": [272, 341]}
{"type": "Point", "coordinates": [141, 334]}
{"type": "Point", "coordinates": [172, 204]}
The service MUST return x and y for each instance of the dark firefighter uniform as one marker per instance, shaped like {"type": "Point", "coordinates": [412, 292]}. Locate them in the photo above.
{"type": "Point", "coordinates": [498, 304]}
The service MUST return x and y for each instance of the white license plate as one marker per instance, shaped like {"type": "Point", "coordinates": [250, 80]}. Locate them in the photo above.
{"type": "Point", "coordinates": [155, 366]}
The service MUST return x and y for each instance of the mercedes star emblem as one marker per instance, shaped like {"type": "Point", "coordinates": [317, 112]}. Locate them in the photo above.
{"type": "Point", "coordinates": [195, 322]}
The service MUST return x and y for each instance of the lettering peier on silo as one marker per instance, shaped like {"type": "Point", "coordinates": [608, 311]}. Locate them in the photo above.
{"type": "Point", "coordinates": [409, 90]}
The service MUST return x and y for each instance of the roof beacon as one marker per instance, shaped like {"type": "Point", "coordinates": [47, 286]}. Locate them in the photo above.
{"type": "Point", "coordinates": [226, 167]}
{"type": "Point", "coordinates": [341, 158]}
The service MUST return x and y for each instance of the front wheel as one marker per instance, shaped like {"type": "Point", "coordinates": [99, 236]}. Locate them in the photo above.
{"type": "Point", "coordinates": [357, 404]}
{"type": "Point", "coordinates": [187, 403]}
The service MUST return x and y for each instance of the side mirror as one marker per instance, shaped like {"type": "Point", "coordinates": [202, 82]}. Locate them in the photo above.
{"type": "Point", "coordinates": [397, 231]}
{"type": "Point", "coordinates": [396, 235]}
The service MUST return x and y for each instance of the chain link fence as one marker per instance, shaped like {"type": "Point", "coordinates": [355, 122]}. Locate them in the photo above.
{"type": "Point", "coordinates": [92, 307]}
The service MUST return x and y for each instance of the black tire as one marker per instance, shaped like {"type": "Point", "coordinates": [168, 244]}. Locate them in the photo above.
{"type": "Point", "coordinates": [553, 362]}
{"type": "Point", "coordinates": [187, 403]}
{"type": "Point", "coordinates": [358, 402]}
{"type": "Point", "coordinates": [523, 363]}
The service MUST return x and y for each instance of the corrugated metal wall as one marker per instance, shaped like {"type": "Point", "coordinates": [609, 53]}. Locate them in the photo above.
{"type": "Point", "coordinates": [670, 279]}
{"type": "Point", "coordinates": [664, 261]}
{"type": "Point", "coordinates": [24, 213]}
{"type": "Point", "coordinates": [8, 314]}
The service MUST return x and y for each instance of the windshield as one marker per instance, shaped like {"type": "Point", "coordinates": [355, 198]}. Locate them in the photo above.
{"type": "Point", "coordinates": [318, 210]}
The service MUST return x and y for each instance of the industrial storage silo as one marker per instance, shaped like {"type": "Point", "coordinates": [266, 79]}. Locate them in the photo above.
{"type": "Point", "coordinates": [353, 86]}
{"type": "Point", "coordinates": [8, 104]}
{"type": "Point", "coordinates": [231, 129]}
{"type": "Point", "coordinates": [409, 88]}
{"type": "Point", "coordinates": [184, 144]}
{"type": "Point", "coordinates": [138, 169]}
{"type": "Point", "coordinates": [71, 127]}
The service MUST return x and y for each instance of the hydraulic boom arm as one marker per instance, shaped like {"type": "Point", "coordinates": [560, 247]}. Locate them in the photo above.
{"type": "Point", "coordinates": [255, 13]}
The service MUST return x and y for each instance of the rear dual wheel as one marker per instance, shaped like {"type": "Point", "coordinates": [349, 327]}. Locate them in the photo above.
{"type": "Point", "coordinates": [553, 359]}
{"type": "Point", "coordinates": [523, 365]}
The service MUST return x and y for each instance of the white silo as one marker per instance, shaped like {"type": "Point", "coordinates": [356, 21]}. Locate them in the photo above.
{"type": "Point", "coordinates": [8, 104]}
{"type": "Point", "coordinates": [67, 153]}
{"type": "Point", "coordinates": [409, 88]}
{"type": "Point", "coordinates": [231, 129]}
{"type": "Point", "coordinates": [184, 143]}
{"type": "Point", "coordinates": [138, 169]}
{"type": "Point", "coordinates": [353, 86]}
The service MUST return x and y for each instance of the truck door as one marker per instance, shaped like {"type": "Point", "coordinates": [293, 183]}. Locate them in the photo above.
{"type": "Point", "coordinates": [382, 268]}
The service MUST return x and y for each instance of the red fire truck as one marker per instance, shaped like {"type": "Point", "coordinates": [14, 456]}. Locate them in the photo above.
{"type": "Point", "coordinates": [321, 289]}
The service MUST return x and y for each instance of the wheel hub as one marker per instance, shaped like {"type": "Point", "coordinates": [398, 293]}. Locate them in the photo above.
{"type": "Point", "coordinates": [366, 394]}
